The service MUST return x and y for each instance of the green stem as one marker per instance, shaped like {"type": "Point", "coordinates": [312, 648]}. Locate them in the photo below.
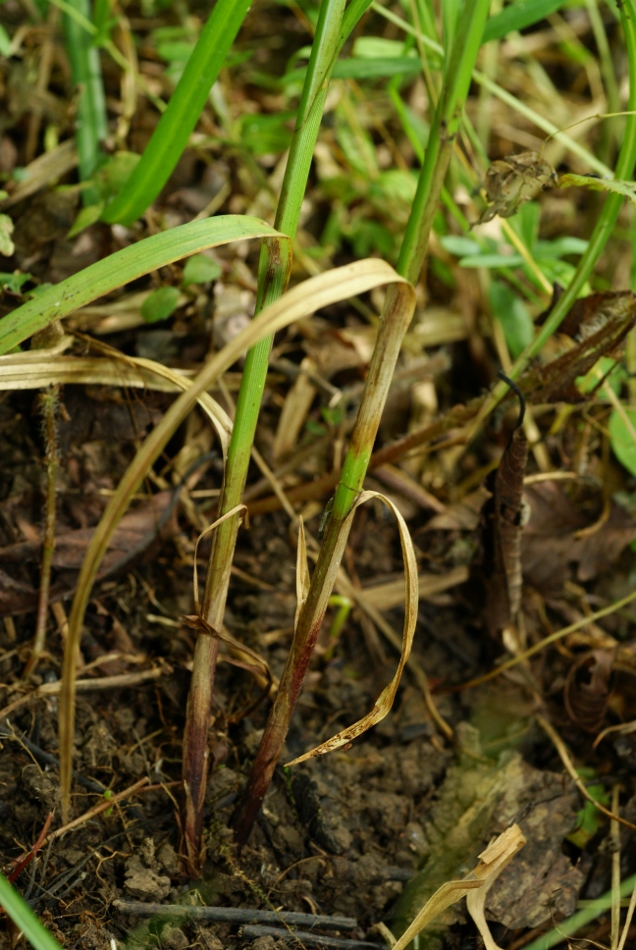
{"type": "Point", "coordinates": [274, 269]}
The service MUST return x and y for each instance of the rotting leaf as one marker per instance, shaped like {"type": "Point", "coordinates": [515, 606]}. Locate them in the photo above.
{"type": "Point", "coordinates": [587, 689]}
{"type": "Point", "coordinates": [513, 180]}
{"type": "Point", "coordinates": [565, 530]}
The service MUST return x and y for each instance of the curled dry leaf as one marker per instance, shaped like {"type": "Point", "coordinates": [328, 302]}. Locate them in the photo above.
{"type": "Point", "coordinates": [513, 180]}
{"type": "Point", "coordinates": [504, 517]}
{"type": "Point", "coordinates": [599, 323]}
{"type": "Point", "coordinates": [385, 700]}
{"type": "Point", "coordinates": [587, 689]}
{"type": "Point", "coordinates": [474, 887]}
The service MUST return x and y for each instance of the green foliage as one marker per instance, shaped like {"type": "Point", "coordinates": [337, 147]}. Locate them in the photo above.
{"type": "Point", "coordinates": [5, 42]}
{"type": "Point", "coordinates": [160, 304]}
{"type": "Point", "coordinates": [178, 121]}
{"type": "Point", "coordinates": [589, 819]}
{"type": "Point", "coordinates": [501, 255]}
{"type": "Point", "coordinates": [621, 429]}
{"type": "Point", "coordinates": [200, 269]}
{"type": "Point", "coordinates": [519, 15]}
{"type": "Point", "coordinates": [512, 313]}
{"type": "Point", "coordinates": [14, 282]}
{"type": "Point", "coordinates": [626, 189]}
{"type": "Point", "coordinates": [266, 134]}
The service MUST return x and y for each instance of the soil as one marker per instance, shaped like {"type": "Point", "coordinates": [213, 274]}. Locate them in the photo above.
{"type": "Point", "coordinates": [368, 832]}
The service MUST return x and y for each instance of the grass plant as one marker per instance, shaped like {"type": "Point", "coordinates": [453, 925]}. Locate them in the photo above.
{"type": "Point", "coordinates": [456, 79]}
{"type": "Point", "coordinates": [170, 138]}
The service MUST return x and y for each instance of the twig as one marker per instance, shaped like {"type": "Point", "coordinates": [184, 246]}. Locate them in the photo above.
{"type": "Point", "coordinates": [314, 940]}
{"type": "Point", "coordinates": [104, 682]}
{"type": "Point", "coordinates": [235, 915]}
{"type": "Point", "coordinates": [569, 767]}
{"type": "Point", "coordinates": [98, 809]}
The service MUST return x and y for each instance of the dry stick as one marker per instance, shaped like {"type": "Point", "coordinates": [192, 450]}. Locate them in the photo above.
{"type": "Point", "coordinates": [50, 404]}
{"type": "Point", "coordinates": [235, 915]}
{"type": "Point", "coordinates": [569, 768]}
{"type": "Point", "coordinates": [97, 810]}
{"type": "Point", "coordinates": [119, 681]}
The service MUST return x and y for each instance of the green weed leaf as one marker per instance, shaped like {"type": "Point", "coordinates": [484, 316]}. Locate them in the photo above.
{"type": "Point", "coordinates": [200, 269]}
{"type": "Point", "coordinates": [518, 16]}
{"type": "Point", "coordinates": [160, 305]}
{"type": "Point", "coordinates": [123, 266]}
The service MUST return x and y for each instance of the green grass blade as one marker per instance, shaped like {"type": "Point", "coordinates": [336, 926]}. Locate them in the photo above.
{"type": "Point", "coordinates": [90, 125]}
{"type": "Point", "coordinates": [24, 918]}
{"type": "Point", "coordinates": [123, 266]}
{"type": "Point", "coordinates": [171, 136]}
{"type": "Point", "coordinates": [519, 15]}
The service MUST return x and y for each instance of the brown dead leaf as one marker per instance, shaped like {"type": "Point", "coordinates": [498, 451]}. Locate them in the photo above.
{"type": "Point", "coordinates": [513, 180]}
{"type": "Point", "coordinates": [553, 540]}
{"type": "Point", "coordinates": [599, 324]}
{"type": "Point", "coordinates": [500, 535]}
{"type": "Point", "coordinates": [587, 689]}
{"type": "Point", "coordinates": [135, 533]}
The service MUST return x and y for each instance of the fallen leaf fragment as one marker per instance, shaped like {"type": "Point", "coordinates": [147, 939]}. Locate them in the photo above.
{"type": "Point", "coordinates": [493, 860]}
{"type": "Point", "coordinates": [474, 887]}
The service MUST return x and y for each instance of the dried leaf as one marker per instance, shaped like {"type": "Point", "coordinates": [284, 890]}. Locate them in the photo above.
{"type": "Point", "coordinates": [556, 538]}
{"type": "Point", "coordinates": [513, 180]}
{"type": "Point", "coordinates": [241, 656]}
{"type": "Point", "coordinates": [302, 570]}
{"type": "Point", "coordinates": [587, 689]}
{"type": "Point", "coordinates": [384, 701]}
{"type": "Point", "coordinates": [599, 323]}
{"type": "Point", "coordinates": [474, 887]}
{"type": "Point", "coordinates": [502, 524]}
